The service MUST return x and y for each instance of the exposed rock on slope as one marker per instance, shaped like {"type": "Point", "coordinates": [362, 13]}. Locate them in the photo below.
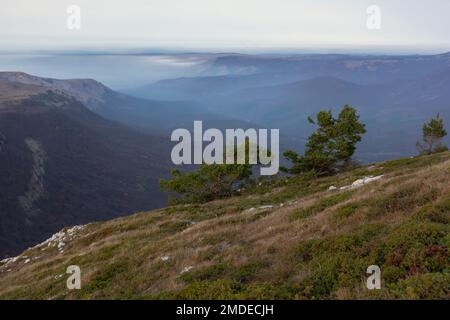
{"type": "Point", "coordinates": [2, 141]}
{"type": "Point", "coordinates": [58, 240]}
{"type": "Point", "coordinates": [36, 185]}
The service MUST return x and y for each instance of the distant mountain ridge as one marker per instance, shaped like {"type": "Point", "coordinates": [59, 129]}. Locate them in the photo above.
{"type": "Point", "coordinates": [88, 91]}
{"type": "Point", "coordinates": [394, 95]}
{"type": "Point", "coordinates": [154, 116]}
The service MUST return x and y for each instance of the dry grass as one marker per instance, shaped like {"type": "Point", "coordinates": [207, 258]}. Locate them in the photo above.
{"type": "Point", "coordinates": [229, 246]}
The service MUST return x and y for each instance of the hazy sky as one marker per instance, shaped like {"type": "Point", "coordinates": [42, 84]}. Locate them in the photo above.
{"type": "Point", "coordinates": [222, 24]}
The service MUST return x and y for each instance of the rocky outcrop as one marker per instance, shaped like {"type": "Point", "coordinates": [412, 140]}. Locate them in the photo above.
{"type": "Point", "coordinates": [2, 141]}
{"type": "Point", "coordinates": [36, 187]}
{"type": "Point", "coordinates": [358, 183]}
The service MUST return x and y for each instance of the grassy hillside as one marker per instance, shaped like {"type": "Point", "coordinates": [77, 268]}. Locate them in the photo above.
{"type": "Point", "coordinates": [291, 239]}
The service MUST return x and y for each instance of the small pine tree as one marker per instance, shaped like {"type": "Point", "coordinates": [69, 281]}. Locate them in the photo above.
{"type": "Point", "coordinates": [332, 145]}
{"type": "Point", "coordinates": [209, 181]}
{"type": "Point", "coordinates": [433, 133]}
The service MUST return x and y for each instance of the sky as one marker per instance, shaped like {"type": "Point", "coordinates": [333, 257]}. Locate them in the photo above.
{"type": "Point", "coordinates": [415, 25]}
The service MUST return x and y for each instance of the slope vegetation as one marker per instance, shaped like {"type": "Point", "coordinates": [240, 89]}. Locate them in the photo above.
{"type": "Point", "coordinates": [291, 239]}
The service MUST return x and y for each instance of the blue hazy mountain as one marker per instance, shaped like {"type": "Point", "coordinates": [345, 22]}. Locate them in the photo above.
{"type": "Point", "coordinates": [394, 94]}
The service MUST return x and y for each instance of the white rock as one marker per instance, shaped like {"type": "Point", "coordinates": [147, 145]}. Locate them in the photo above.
{"type": "Point", "coordinates": [186, 269]}
{"type": "Point", "coordinates": [10, 260]}
{"type": "Point", "coordinates": [5, 261]}
{"type": "Point", "coordinates": [365, 180]}
{"type": "Point", "coordinates": [26, 261]}
{"type": "Point", "coordinates": [165, 258]}
{"type": "Point", "coordinates": [266, 207]}
{"type": "Point", "coordinates": [331, 188]}
{"type": "Point", "coordinates": [59, 238]}
{"type": "Point", "coordinates": [358, 183]}
{"type": "Point", "coordinates": [361, 182]}
{"type": "Point", "coordinates": [371, 179]}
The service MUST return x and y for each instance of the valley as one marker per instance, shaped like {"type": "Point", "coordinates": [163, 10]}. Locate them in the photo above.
{"type": "Point", "coordinates": [62, 164]}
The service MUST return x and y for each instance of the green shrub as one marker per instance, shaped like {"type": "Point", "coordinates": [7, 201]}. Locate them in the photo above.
{"type": "Point", "coordinates": [417, 248]}
{"type": "Point", "coordinates": [104, 278]}
{"type": "Point", "coordinates": [321, 205]}
{"type": "Point", "coordinates": [439, 212]}
{"type": "Point", "coordinates": [173, 226]}
{"type": "Point", "coordinates": [204, 290]}
{"type": "Point", "coordinates": [405, 199]}
{"type": "Point", "coordinates": [210, 273]}
{"type": "Point", "coordinates": [346, 210]}
{"type": "Point", "coordinates": [425, 286]}
{"type": "Point", "coordinates": [247, 272]}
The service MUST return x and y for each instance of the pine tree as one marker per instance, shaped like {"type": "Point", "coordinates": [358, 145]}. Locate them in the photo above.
{"type": "Point", "coordinates": [332, 145]}
{"type": "Point", "coordinates": [433, 133]}
{"type": "Point", "coordinates": [210, 181]}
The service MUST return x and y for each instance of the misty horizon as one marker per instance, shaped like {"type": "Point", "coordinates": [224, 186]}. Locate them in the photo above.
{"type": "Point", "coordinates": [405, 26]}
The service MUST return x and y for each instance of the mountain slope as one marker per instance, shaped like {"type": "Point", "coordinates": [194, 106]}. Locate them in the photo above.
{"type": "Point", "coordinates": [62, 164]}
{"type": "Point", "coordinates": [88, 91]}
{"type": "Point", "coordinates": [293, 239]}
